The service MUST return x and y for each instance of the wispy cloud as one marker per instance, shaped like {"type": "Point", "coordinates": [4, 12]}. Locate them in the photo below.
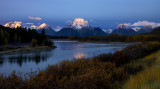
{"type": "Point", "coordinates": [29, 23]}
{"type": "Point", "coordinates": [143, 23]}
{"type": "Point", "coordinates": [34, 18]}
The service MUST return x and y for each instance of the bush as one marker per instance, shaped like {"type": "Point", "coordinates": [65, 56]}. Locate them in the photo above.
{"type": "Point", "coordinates": [34, 42]}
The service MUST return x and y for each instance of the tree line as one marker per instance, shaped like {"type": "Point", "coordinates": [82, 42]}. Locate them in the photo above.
{"type": "Point", "coordinates": [22, 35]}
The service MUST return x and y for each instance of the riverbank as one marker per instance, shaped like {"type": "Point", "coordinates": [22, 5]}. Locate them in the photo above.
{"type": "Point", "coordinates": [25, 48]}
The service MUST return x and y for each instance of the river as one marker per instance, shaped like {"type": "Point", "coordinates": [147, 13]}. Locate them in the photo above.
{"type": "Point", "coordinates": [35, 61]}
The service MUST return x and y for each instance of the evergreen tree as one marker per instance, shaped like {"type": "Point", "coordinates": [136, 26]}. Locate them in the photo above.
{"type": "Point", "coordinates": [1, 37]}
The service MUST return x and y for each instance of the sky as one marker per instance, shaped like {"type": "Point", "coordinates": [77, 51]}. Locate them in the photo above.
{"type": "Point", "coordinates": [99, 13]}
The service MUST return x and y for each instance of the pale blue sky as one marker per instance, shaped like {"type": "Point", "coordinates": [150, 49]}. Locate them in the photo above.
{"type": "Point", "coordinates": [104, 13]}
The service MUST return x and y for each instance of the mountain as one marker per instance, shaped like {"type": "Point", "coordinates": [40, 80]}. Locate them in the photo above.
{"type": "Point", "coordinates": [58, 28]}
{"type": "Point", "coordinates": [81, 32]}
{"type": "Point", "coordinates": [48, 30]}
{"type": "Point", "coordinates": [13, 24]}
{"type": "Point", "coordinates": [146, 29]}
{"type": "Point", "coordinates": [123, 29]}
{"type": "Point", "coordinates": [80, 28]}
{"type": "Point", "coordinates": [108, 31]}
{"type": "Point", "coordinates": [79, 23]}
{"type": "Point", "coordinates": [136, 29]}
{"type": "Point", "coordinates": [155, 31]}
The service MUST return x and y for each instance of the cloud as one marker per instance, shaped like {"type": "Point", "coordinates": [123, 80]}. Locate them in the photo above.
{"type": "Point", "coordinates": [33, 26]}
{"type": "Point", "coordinates": [29, 23]}
{"type": "Point", "coordinates": [35, 18]}
{"type": "Point", "coordinates": [128, 24]}
{"type": "Point", "coordinates": [143, 23]}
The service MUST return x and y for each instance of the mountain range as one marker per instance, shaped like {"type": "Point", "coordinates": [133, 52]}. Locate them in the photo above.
{"type": "Point", "coordinates": [80, 27]}
{"type": "Point", "coordinates": [123, 29]}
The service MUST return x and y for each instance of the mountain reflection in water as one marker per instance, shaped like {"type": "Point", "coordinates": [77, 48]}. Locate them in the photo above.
{"type": "Point", "coordinates": [80, 55]}
{"type": "Point", "coordinates": [21, 58]}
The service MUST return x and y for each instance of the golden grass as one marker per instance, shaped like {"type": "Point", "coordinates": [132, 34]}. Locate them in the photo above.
{"type": "Point", "coordinates": [150, 77]}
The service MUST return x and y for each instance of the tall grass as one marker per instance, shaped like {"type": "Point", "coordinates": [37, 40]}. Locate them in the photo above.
{"type": "Point", "coordinates": [149, 78]}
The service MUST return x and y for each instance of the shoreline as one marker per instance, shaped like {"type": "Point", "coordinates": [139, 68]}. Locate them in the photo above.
{"type": "Point", "coordinates": [26, 49]}
{"type": "Point", "coordinates": [91, 41]}
{"type": "Point", "coordinates": [6, 49]}
{"type": "Point", "coordinates": [106, 42]}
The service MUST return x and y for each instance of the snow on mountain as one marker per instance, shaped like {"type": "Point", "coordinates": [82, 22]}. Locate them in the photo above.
{"type": "Point", "coordinates": [109, 31]}
{"type": "Point", "coordinates": [79, 23]}
{"type": "Point", "coordinates": [43, 26]}
{"type": "Point", "coordinates": [123, 29]}
{"type": "Point", "coordinates": [147, 27]}
{"type": "Point", "coordinates": [136, 29]}
{"type": "Point", "coordinates": [80, 27]}
{"type": "Point", "coordinates": [13, 24]}
{"type": "Point", "coordinates": [58, 28]}
{"type": "Point", "coordinates": [123, 26]}
{"type": "Point", "coordinates": [48, 30]}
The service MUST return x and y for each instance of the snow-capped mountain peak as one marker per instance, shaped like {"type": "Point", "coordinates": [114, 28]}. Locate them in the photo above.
{"type": "Point", "coordinates": [109, 31]}
{"type": "Point", "coordinates": [44, 25]}
{"type": "Point", "coordinates": [79, 23]}
{"type": "Point", "coordinates": [48, 30]}
{"type": "Point", "coordinates": [13, 24]}
{"type": "Point", "coordinates": [123, 26]}
{"type": "Point", "coordinates": [148, 27]}
{"type": "Point", "coordinates": [123, 29]}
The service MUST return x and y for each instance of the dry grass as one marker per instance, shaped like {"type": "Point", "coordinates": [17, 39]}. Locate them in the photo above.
{"type": "Point", "coordinates": [150, 77]}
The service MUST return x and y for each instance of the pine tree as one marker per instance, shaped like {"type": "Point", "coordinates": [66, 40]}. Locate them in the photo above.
{"type": "Point", "coordinates": [1, 37]}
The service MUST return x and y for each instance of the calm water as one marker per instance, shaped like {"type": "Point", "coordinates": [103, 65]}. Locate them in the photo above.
{"type": "Point", "coordinates": [27, 61]}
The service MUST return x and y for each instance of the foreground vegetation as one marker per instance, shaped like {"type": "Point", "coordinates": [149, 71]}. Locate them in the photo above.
{"type": "Point", "coordinates": [150, 77]}
{"type": "Point", "coordinates": [106, 71]}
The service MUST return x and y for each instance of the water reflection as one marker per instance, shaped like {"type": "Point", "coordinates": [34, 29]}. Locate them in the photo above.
{"type": "Point", "coordinates": [1, 60]}
{"type": "Point", "coordinates": [21, 58]}
{"type": "Point", "coordinates": [80, 55]}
